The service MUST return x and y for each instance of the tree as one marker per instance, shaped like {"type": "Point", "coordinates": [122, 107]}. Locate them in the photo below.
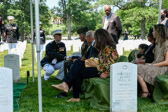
{"type": "Point", "coordinates": [137, 17]}
{"type": "Point", "coordinates": [73, 12]}
{"type": "Point", "coordinates": [20, 9]}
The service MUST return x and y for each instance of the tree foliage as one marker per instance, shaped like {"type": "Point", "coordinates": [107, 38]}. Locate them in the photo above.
{"type": "Point", "coordinates": [20, 9]}
{"type": "Point", "coordinates": [137, 16]}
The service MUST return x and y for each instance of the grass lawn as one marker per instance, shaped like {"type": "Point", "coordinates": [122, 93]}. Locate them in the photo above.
{"type": "Point", "coordinates": [29, 97]}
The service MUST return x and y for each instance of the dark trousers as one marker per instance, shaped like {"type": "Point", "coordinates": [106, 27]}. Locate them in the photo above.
{"type": "Point", "coordinates": [115, 38]}
{"type": "Point", "coordinates": [67, 65]}
{"type": "Point", "coordinates": [77, 74]}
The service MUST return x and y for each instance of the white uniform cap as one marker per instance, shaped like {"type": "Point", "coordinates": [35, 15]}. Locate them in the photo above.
{"type": "Point", "coordinates": [56, 32]}
{"type": "Point", "coordinates": [10, 17]}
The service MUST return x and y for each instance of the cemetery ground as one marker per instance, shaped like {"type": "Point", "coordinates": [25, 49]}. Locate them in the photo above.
{"type": "Point", "coordinates": [29, 98]}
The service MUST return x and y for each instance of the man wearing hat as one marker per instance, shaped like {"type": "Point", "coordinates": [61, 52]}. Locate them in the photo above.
{"type": "Point", "coordinates": [55, 56]}
{"type": "Point", "coordinates": [42, 41]}
{"type": "Point", "coordinates": [11, 34]}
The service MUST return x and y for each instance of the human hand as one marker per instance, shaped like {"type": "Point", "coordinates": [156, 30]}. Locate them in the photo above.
{"type": "Point", "coordinates": [90, 63]}
{"type": "Point", "coordinates": [103, 75]}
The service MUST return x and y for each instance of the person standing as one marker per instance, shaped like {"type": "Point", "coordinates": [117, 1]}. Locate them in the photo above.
{"type": "Point", "coordinates": [11, 34]}
{"type": "Point", "coordinates": [125, 34]}
{"type": "Point", "coordinates": [1, 28]}
{"type": "Point", "coordinates": [42, 41]}
{"type": "Point", "coordinates": [55, 56]}
{"type": "Point", "coordinates": [112, 23]}
{"type": "Point", "coordinates": [164, 17]}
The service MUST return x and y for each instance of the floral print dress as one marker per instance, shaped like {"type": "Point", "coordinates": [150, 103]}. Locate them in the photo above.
{"type": "Point", "coordinates": [106, 58]}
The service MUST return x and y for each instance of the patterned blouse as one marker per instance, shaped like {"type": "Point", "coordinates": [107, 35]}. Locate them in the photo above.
{"type": "Point", "coordinates": [106, 58]}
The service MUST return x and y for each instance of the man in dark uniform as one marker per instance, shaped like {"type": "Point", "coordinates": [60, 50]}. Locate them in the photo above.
{"type": "Point", "coordinates": [11, 34]}
{"type": "Point", "coordinates": [42, 41]}
{"type": "Point", "coordinates": [2, 28]}
{"type": "Point", "coordinates": [55, 56]}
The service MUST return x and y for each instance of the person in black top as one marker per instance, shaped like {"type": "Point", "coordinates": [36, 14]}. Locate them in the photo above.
{"type": "Point", "coordinates": [149, 56]}
{"type": "Point", "coordinates": [2, 28]}
{"type": "Point", "coordinates": [42, 41]}
{"type": "Point", "coordinates": [82, 34]}
{"type": "Point", "coordinates": [11, 34]}
{"type": "Point", "coordinates": [54, 57]}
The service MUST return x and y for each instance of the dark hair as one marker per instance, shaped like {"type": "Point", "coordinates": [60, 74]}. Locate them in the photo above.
{"type": "Point", "coordinates": [143, 46]}
{"type": "Point", "coordinates": [150, 33]}
{"type": "Point", "coordinates": [165, 12]}
{"type": "Point", "coordinates": [82, 30]}
{"type": "Point", "coordinates": [103, 39]}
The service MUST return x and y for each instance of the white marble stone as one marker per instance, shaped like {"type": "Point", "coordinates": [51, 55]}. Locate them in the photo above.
{"type": "Point", "coordinates": [123, 87]}
{"type": "Point", "coordinates": [6, 90]}
{"type": "Point", "coordinates": [12, 61]}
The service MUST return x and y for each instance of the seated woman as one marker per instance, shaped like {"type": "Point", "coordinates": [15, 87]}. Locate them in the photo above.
{"type": "Point", "coordinates": [148, 55]}
{"type": "Point", "coordinates": [107, 56]}
{"type": "Point", "coordinates": [148, 72]}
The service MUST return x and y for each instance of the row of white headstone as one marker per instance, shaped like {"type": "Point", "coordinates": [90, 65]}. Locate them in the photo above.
{"type": "Point", "coordinates": [19, 50]}
{"type": "Point", "coordinates": [123, 88]}
{"type": "Point", "coordinates": [126, 45]}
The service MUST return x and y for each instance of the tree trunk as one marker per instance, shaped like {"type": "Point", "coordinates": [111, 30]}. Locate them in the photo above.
{"type": "Point", "coordinates": [143, 28]}
{"type": "Point", "coordinates": [63, 2]}
{"type": "Point", "coordinates": [69, 26]}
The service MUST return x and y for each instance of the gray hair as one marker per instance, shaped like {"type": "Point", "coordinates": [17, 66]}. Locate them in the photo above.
{"type": "Point", "coordinates": [90, 34]}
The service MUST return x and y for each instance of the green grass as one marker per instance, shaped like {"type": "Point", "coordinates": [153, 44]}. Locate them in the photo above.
{"type": "Point", "coordinates": [29, 98]}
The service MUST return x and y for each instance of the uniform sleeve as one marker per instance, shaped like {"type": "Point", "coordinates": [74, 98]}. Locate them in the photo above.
{"type": "Point", "coordinates": [107, 58]}
{"type": "Point", "coordinates": [65, 54]}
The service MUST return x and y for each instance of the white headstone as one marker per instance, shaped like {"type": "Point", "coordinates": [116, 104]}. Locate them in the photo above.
{"type": "Point", "coordinates": [123, 87]}
{"type": "Point", "coordinates": [6, 90]}
{"type": "Point", "coordinates": [12, 61]}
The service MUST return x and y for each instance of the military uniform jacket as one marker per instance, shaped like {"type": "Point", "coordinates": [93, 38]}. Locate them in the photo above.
{"type": "Point", "coordinates": [84, 47]}
{"type": "Point", "coordinates": [42, 36]}
{"type": "Point", "coordinates": [54, 51]}
{"type": "Point", "coordinates": [12, 33]}
{"type": "Point", "coordinates": [1, 25]}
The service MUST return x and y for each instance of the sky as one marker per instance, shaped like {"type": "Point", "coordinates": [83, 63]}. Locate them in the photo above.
{"type": "Point", "coordinates": [52, 3]}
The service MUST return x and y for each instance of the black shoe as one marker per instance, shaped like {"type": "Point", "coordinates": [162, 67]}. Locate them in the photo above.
{"type": "Point", "coordinates": [61, 95]}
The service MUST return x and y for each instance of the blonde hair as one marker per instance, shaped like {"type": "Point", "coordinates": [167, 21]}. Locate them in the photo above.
{"type": "Point", "coordinates": [161, 33]}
